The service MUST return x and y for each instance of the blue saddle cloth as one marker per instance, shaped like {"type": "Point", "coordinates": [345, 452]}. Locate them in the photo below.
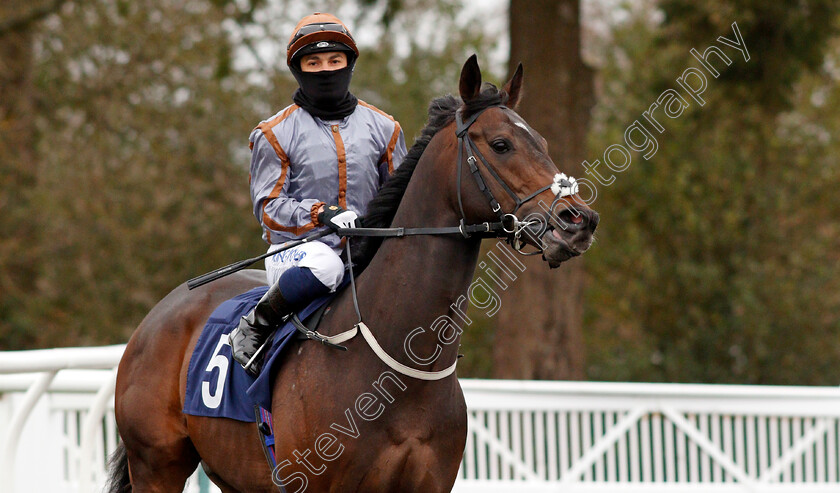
{"type": "Point", "coordinates": [217, 386]}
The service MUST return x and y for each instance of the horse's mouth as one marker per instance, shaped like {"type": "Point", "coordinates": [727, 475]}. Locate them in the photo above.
{"type": "Point", "coordinates": [557, 249]}
{"type": "Point", "coordinates": [570, 238]}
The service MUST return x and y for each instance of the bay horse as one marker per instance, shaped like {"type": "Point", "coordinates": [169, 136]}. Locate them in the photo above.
{"type": "Point", "coordinates": [346, 421]}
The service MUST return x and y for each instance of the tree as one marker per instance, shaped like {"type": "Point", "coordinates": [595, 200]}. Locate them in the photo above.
{"type": "Point", "coordinates": [539, 332]}
{"type": "Point", "coordinates": [117, 130]}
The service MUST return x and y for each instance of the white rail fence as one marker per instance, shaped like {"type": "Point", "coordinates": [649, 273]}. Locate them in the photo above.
{"type": "Point", "coordinates": [621, 437]}
{"type": "Point", "coordinates": [57, 427]}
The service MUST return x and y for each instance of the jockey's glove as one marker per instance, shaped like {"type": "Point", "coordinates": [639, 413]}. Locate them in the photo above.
{"type": "Point", "coordinates": [337, 217]}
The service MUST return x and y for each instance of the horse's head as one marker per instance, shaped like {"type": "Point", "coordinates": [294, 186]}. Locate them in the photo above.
{"type": "Point", "coordinates": [506, 174]}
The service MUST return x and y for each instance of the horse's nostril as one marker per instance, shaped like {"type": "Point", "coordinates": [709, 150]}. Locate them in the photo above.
{"type": "Point", "coordinates": [594, 219]}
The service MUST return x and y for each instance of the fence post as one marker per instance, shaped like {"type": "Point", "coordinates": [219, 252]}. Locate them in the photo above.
{"type": "Point", "coordinates": [90, 427]}
{"type": "Point", "coordinates": [33, 394]}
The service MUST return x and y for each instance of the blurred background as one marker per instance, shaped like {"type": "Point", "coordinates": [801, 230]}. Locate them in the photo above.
{"type": "Point", "coordinates": [124, 170]}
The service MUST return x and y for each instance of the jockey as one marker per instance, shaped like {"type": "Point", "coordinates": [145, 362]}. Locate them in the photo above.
{"type": "Point", "coordinates": [315, 164]}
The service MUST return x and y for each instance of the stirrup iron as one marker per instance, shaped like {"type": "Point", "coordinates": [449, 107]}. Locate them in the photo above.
{"type": "Point", "coordinates": [256, 356]}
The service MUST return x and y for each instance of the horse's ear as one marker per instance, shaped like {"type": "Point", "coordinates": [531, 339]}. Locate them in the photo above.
{"type": "Point", "coordinates": [470, 84]}
{"type": "Point", "coordinates": [514, 87]}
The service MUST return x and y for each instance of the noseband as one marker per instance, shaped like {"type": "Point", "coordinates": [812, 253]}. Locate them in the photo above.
{"type": "Point", "coordinates": [509, 224]}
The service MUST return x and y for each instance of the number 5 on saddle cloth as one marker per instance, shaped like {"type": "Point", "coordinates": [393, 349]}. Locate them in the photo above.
{"type": "Point", "coordinates": [219, 387]}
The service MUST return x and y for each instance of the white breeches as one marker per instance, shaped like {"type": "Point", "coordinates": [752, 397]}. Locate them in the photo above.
{"type": "Point", "coordinates": [322, 260]}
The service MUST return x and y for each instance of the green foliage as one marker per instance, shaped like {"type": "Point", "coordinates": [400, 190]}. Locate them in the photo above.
{"type": "Point", "coordinates": [136, 159]}
{"type": "Point", "coordinates": [405, 86]}
{"type": "Point", "coordinates": [713, 257]}
{"type": "Point", "coordinates": [787, 38]}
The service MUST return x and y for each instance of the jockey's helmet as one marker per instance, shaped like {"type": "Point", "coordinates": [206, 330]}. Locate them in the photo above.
{"type": "Point", "coordinates": [317, 33]}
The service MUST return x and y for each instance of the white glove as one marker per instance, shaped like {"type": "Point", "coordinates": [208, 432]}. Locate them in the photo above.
{"type": "Point", "coordinates": [336, 217]}
{"type": "Point", "coordinates": [346, 219]}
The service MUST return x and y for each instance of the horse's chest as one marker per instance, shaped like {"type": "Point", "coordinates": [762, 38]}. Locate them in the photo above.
{"type": "Point", "coordinates": [385, 439]}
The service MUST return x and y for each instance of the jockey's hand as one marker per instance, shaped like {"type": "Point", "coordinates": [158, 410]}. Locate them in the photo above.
{"type": "Point", "coordinates": [337, 217]}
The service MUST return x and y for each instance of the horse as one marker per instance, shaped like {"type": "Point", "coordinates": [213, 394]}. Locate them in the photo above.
{"type": "Point", "coordinates": [350, 421]}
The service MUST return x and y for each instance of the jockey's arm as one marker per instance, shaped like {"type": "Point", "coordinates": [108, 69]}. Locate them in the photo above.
{"type": "Point", "coordinates": [280, 215]}
{"type": "Point", "coordinates": [392, 158]}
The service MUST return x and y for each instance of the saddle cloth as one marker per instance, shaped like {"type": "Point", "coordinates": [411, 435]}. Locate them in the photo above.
{"type": "Point", "coordinates": [217, 386]}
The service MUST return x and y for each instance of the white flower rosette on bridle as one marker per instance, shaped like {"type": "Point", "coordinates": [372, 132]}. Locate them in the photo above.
{"type": "Point", "coordinates": [564, 186]}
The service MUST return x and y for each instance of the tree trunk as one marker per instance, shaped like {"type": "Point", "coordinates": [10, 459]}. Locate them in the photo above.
{"type": "Point", "coordinates": [539, 333]}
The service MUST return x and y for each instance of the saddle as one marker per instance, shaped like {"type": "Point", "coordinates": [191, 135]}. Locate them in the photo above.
{"type": "Point", "coordinates": [216, 385]}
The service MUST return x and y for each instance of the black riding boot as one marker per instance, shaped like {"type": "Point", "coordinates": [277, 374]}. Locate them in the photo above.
{"type": "Point", "coordinates": [255, 327]}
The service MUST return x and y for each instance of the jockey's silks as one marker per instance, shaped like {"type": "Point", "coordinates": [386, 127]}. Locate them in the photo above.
{"type": "Point", "coordinates": [299, 161]}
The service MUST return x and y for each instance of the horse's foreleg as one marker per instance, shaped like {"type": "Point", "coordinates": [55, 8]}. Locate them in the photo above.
{"type": "Point", "coordinates": [161, 455]}
{"type": "Point", "coordinates": [161, 468]}
{"type": "Point", "coordinates": [218, 481]}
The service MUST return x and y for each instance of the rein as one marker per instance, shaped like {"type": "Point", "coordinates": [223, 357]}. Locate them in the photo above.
{"type": "Point", "coordinates": [509, 226]}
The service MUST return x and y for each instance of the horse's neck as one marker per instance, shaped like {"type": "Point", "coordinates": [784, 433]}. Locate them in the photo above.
{"type": "Point", "coordinates": [413, 281]}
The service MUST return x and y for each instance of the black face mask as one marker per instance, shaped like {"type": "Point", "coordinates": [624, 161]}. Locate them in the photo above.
{"type": "Point", "coordinates": [325, 94]}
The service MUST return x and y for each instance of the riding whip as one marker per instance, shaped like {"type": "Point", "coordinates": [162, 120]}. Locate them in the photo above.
{"type": "Point", "coordinates": [237, 266]}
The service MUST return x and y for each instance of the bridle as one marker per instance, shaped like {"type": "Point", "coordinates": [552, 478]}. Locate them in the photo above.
{"type": "Point", "coordinates": [509, 225]}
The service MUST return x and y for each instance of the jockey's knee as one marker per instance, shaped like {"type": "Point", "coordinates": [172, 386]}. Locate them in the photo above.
{"type": "Point", "coordinates": [298, 286]}
{"type": "Point", "coordinates": [324, 264]}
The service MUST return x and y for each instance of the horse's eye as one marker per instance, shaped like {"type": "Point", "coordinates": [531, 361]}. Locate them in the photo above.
{"type": "Point", "coordinates": [500, 146]}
